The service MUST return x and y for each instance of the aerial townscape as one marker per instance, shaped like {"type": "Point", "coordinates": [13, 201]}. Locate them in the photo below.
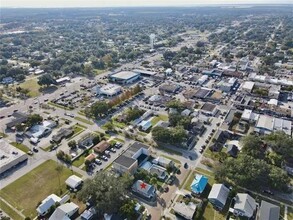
{"type": "Point", "coordinates": [162, 113]}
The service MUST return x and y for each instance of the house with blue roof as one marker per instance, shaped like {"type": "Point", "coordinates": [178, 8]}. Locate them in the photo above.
{"type": "Point", "coordinates": [198, 184]}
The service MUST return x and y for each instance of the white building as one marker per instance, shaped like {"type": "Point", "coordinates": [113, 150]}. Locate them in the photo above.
{"type": "Point", "coordinates": [227, 85]}
{"type": "Point", "coordinates": [245, 205]}
{"type": "Point", "coordinates": [267, 124]}
{"type": "Point", "coordinates": [64, 212]}
{"type": "Point", "coordinates": [202, 79]}
{"type": "Point", "coordinates": [109, 90]}
{"type": "Point", "coordinates": [274, 92]}
{"type": "Point", "coordinates": [73, 181]}
{"type": "Point", "coordinates": [247, 86]}
{"type": "Point", "coordinates": [47, 203]}
{"type": "Point", "coordinates": [249, 116]}
{"type": "Point", "coordinates": [10, 156]}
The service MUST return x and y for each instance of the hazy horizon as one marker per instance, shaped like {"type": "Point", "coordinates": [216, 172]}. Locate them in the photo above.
{"type": "Point", "coordinates": [131, 3]}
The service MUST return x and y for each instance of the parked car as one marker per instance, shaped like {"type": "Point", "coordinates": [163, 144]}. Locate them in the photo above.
{"type": "Point", "coordinates": [267, 191]}
{"type": "Point", "coordinates": [170, 180]}
{"type": "Point", "coordinates": [201, 150]}
{"type": "Point", "coordinates": [112, 150]}
{"type": "Point", "coordinates": [104, 158]}
{"type": "Point", "coordinates": [97, 161]}
{"type": "Point", "coordinates": [187, 196]}
{"type": "Point", "coordinates": [35, 149]}
{"type": "Point", "coordinates": [118, 145]}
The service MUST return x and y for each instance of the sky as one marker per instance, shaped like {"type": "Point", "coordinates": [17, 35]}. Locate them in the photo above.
{"type": "Point", "coordinates": [113, 3]}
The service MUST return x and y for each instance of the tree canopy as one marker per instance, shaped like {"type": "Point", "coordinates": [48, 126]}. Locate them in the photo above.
{"type": "Point", "coordinates": [107, 192]}
{"type": "Point", "coordinates": [46, 79]}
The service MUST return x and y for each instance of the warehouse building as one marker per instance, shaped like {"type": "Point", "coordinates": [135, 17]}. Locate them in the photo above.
{"type": "Point", "coordinates": [10, 157]}
{"type": "Point", "coordinates": [124, 77]}
{"type": "Point", "coordinates": [109, 90]}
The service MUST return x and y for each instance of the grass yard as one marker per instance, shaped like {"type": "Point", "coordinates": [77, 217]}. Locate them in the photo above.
{"type": "Point", "coordinates": [9, 211]}
{"type": "Point", "coordinates": [76, 131]}
{"type": "Point", "coordinates": [169, 150]}
{"type": "Point", "coordinates": [3, 135]}
{"type": "Point", "coordinates": [79, 161]}
{"type": "Point", "coordinates": [20, 146]}
{"type": "Point", "coordinates": [289, 213]}
{"type": "Point", "coordinates": [58, 106]}
{"type": "Point", "coordinates": [84, 120]}
{"type": "Point", "coordinates": [33, 86]}
{"type": "Point", "coordinates": [36, 186]}
{"type": "Point", "coordinates": [158, 118]}
{"type": "Point", "coordinates": [171, 158]}
{"type": "Point", "coordinates": [186, 178]}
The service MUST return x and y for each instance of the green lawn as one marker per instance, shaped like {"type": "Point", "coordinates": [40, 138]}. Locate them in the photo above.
{"type": "Point", "coordinates": [171, 158]}
{"type": "Point", "coordinates": [158, 118]}
{"type": "Point", "coordinates": [36, 186]}
{"type": "Point", "coordinates": [33, 86]}
{"type": "Point", "coordinates": [3, 135]}
{"type": "Point", "coordinates": [290, 213]}
{"type": "Point", "coordinates": [169, 150]}
{"type": "Point", "coordinates": [20, 146]}
{"type": "Point", "coordinates": [58, 106]}
{"type": "Point", "coordinates": [186, 178]}
{"type": "Point", "coordinates": [84, 120]}
{"type": "Point", "coordinates": [9, 211]}
{"type": "Point", "coordinates": [79, 161]}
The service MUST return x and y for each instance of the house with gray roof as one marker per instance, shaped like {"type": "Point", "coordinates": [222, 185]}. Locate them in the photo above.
{"type": "Point", "coordinates": [64, 211]}
{"type": "Point", "coordinates": [218, 196]}
{"type": "Point", "coordinates": [269, 211]}
{"type": "Point", "coordinates": [245, 205]}
{"type": "Point", "coordinates": [143, 189]}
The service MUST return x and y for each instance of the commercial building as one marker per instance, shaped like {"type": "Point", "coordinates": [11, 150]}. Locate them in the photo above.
{"type": "Point", "coordinates": [267, 124]}
{"type": "Point", "coordinates": [247, 86]}
{"type": "Point", "coordinates": [145, 73]}
{"type": "Point", "coordinates": [124, 77]}
{"type": "Point", "coordinates": [209, 109]}
{"type": "Point", "coordinates": [227, 85]}
{"type": "Point", "coordinates": [129, 161]}
{"type": "Point", "coordinates": [101, 147]}
{"type": "Point", "coordinates": [109, 90]}
{"type": "Point", "coordinates": [169, 88]}
{"type": "Point", "coordinates": [249, 116]}
{"type": "Point", "coordinates": [218, 195]}
{"type": "Point", "coordinates": [10, 157]}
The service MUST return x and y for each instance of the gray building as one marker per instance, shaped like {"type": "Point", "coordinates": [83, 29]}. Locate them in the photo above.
{"type": "Point", "coordinates": [269, 211]}
{"type": "Point", "coordinates": [218, 196]}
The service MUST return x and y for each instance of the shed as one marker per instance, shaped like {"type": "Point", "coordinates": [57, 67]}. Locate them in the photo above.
{"type": "Point", "coordinates": [74, 182]}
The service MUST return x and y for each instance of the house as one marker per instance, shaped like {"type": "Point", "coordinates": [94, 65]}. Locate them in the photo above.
{"type": "Point", "coordinates": [88, 214]}
{"type": "Point", "coordinates": [145, 190]}
{"type": "Point", "coordinates": [198, 128]}
{"type": "Point", "coordinates": [186, 211]}
{"type": "Point", "coordinates": [90, 157]}
{"type": "Point", "coordinates": [101, 147]}
{"type": "Point", "coordinates": [134, 156]}
{"type": "Point", "coordinates": [247, 86]}
{"type": "Point", "coordinates": [268, 211]}
{"type": "Point", "coordinates": [198, 184]}
{"type": "Point", "coordinates": [64, 211]}
{"type": "Point", "coordinates": [218, 196]}
{"type": "Point", "coordinates": [169, 88]}
{"type": "Point", "coordinates": [154, 169]}
{"type": "Point", "coordinates": [145, 125]}
{"type": "Point", "coordinates": [7, 80]}
{"type": "Point", "coordinates": [47, 203]}
{"type": "Point", "coordinates": [74, 182]}
{"type": "Point", "coordinates": [209, 109]}
{"type": "Point", "coordinates": [245, 205]}
{"type": "Point", "coordinates": [249, 116]}
{"type": "Point", "coordinates": [62, 133]}
{"type": "Point", "coordinates": [185, 112]}
{"type": "Point", "coordinates": [232, 150]}
{"type": "Point", "coordinates": [164, 162]}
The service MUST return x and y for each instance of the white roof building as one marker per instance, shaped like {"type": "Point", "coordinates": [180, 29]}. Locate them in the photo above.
{"type": "Point", "coordinates": [245, 205]}
{"type": "Point", "coordinates": [218, 195]}
{"type": "Point", "coordinates": [109, 90]}
{"type": "Point", "coordinates": [186, 211]}
{"type": "Point", "coordinates": [73, 181]}
{"type": "Point", "coordinates": [10, 156]}
{"type": "Point", "coordinates": [64, 212]}
{"type": "Point", "coordinates": [267, 124]}
{"type": "Point", "coordinates": [47, 204]}
{"type": "Point", "coordinates": [247, 86]}
{"type": "Point", "coordinates": [248, 115]}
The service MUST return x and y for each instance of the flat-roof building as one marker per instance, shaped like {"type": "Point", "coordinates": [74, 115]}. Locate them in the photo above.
{"type": "Point", "coordinates": [10, 156]}
{"type": "Point", "coordinates": [109, 90]}
{"type": "Point", "coordinates": [124, 77]}
{"type": "Point", "coordinates": [267, 124]}
{"type": "Point", "coordinates": [146, 73]}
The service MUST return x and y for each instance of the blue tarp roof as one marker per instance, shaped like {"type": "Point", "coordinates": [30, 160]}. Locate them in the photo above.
{"type": "Point", "coordinates": [198, 184]}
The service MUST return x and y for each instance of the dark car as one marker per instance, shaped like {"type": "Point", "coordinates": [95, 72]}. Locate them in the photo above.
{"type": "Point", "coordinates": [185, 166]}
{"type": "Point", "coordinates": [201, 150]}
{"type": "Point", "coordinates": [170, 180]}
{"type": "Point", "coordinates": [187, 196]}
{"type": "Point", "coordinates": [267, 191]}
{"type": "Point", "coordinates": [35, 150]}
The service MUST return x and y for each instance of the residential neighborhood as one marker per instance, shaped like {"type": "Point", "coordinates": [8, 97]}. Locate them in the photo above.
{"type": "Point", "coordinates": [146, 113]}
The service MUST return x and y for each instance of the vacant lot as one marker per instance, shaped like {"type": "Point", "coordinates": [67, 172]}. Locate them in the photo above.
{"type": "Point", "coordinates": [33, 86]}
{"type": "Point", "coordinates": [26, 192]}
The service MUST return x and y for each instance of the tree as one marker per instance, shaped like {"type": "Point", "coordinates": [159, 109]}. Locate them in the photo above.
{"type": "Point", "coordinates": [46, 79]}
{"type": "Point", "coordinates": [153, 181]}
{"type": "Point", "coordinates": [252, 146]}
{"type": "Point", "coordinates": [109, 126]}
{"type": "Point", "coordinates": [252, 173]}
{"type": "Point", "coordinates": [99, 108]}
{"type": "Point", "coordinates": [175, 104]}
{"type": "Point", "coordinates": [107, 192]}
{"type": "Point", "coordinates": [72, 144]}
{"type": "Point", "coordinates": [96, 139]}
{"type": "Point", "coordinates": [161, 134]}
{"type": "Point", "coordinates": [34, 119]}
{"type": "Point", "coordinates": [128, 209]}
{"type": "Point", "coordinates": [133, 113]}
